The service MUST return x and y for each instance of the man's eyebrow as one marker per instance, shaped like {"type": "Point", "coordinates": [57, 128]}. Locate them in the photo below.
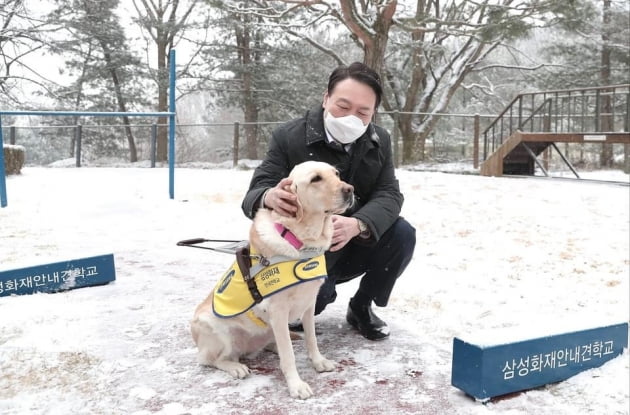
{"type": "Point", "coordinates": [345, 101]}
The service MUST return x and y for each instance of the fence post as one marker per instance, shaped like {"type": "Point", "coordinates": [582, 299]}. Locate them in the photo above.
{"type": "Point", "coordinates": [626, 127]}
{"type": "Point", "coordinates": [395, 138]}
{"type": "Point", "coordinates": [597, 110]}
{"type": "Point", "coordinates": [476, 142]}
{"type": "Point", "coordinates": [77, 136]}
{"type": "Point", "coordinates": [153, 143]}
{"type": "Point", "coordinates": [626, 121]}
{"type": "Point", "coordinates": [12, 135]}
{"type": "Point", "coordinates": [3, 179]}
{"type": "Point", "coordinates": [520, 110]}
{"type": "Point", "coordinates": [546, 157]}
{"type": "Point", "coordinates": [235, 152]}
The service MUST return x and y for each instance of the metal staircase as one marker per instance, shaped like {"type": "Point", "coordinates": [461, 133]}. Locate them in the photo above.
{"type": "Point", "coordinates": [536, 121]}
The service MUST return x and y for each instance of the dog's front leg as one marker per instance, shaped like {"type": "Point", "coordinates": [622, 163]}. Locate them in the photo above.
{"type": "Point", "coordinates": [320, 363]}
{"type": "Point", "coordinates": [297, 387]}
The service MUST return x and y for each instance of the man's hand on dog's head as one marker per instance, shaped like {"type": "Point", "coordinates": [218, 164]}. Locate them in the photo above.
{"type": "Point", "coordinates": [280, 199]}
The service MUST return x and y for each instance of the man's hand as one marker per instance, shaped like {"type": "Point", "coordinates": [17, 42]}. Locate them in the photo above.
{"type": "Point", "coordinates": [344, 229]}
{"type": "Point", "coordinates": [280, 199]}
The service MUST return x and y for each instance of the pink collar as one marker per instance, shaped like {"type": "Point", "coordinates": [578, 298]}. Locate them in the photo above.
{"type": "Point", "coordinates": [289, 236]}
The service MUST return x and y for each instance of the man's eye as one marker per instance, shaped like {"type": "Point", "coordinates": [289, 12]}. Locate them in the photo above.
{"type": "Point", "coordinates": [317, 178]}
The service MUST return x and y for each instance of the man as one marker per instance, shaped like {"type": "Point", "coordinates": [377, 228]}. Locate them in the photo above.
{"type": "Point", "coordinates": [371, 239]}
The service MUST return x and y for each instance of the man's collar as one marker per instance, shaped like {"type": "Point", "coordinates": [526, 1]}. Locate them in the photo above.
{"type": "Point", "coordinates": [336, 144]}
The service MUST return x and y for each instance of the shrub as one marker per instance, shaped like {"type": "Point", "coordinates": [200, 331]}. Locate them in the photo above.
{"type": "Point", "coordinates": [13, 159]}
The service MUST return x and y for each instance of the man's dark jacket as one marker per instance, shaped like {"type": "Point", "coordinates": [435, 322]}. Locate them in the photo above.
{"type": "Point", "coordinates": [368, 167]}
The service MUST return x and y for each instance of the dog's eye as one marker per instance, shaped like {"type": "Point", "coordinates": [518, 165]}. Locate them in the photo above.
{"type": "Point", "coordinates": [317, 178]}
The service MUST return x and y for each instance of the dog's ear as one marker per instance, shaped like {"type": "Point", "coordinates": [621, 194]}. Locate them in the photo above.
{"type": "Point", "coordinates": [300, 211]}
{"type": "Point", "coordinates": [299, 214]}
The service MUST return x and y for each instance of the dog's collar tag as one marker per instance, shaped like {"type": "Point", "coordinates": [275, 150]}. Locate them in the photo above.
{"type": "Point", "coordinates": [288, 236]}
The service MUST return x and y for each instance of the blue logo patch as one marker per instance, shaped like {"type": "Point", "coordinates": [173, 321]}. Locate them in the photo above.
{"type": "Point", "coordinates": [311, 265]}
{"type": "Point", "coordinates": [226, 281]}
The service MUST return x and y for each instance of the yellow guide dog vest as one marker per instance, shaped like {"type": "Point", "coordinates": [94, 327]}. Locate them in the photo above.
{"type": "Point", "coordinates": [232, 295]}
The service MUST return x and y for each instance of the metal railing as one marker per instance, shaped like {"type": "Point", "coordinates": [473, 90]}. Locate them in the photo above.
{"type": "Point", "coordinates": [96, 144]}
{"type": "Point", "coordinates": [170, 114]}
{"type": "Point", "coordinates": [582, 111]}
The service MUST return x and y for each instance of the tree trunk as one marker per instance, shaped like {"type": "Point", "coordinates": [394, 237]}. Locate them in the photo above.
{"type": "Point", "coordinates": [376, 48]}
{"type": "Point", "coordinates": [162, 24]}
{"type": "Point", "coordinates": [133, 153]}
{"type": "Point", "coordinates": [406, 133]}
{"type": "Point", "coordinates": [605, 125]}
{"type": "Point", "coordinates": [250, 110]}
{"type": "Point", "coordinates": [162, 80]}
{"type": "Point", "coordinates": [79, 97]}
{"type": "Point", "coordinates": [373, 41]}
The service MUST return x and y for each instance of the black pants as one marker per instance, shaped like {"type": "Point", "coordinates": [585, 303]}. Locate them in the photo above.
{"type": "Point", "coordinates": [380, 264]}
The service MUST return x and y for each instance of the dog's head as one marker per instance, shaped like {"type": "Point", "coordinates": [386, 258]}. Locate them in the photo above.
{"type": "Point", "coordinates": [319, 189]}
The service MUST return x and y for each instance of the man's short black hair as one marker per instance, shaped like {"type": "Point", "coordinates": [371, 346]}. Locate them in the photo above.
{"type": "Point", "coordinates": [359, 72]}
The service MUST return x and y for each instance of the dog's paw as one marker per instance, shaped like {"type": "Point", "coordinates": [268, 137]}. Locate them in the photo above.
{"type": "Point", "coordinates": [300, 389]}
{"type": "Point", "coordinates": [236, 369]}
{"type": "Point", "coordinates": [324, 365]}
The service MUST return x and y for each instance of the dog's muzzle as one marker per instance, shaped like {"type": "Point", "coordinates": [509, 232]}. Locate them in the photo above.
{"type": "Point", "coordinates": [348, 196]}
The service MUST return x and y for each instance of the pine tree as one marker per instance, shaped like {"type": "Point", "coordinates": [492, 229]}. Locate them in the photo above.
{"type": "Point", "coordinates": [258, 68]}
{"type": "Point", "coordinates": [108, 77]}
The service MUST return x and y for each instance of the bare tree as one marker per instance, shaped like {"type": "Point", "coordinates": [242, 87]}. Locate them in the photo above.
{"type": "Point", "coordinates": [257, 70]}
{"type": "Point", "coordinates": [21, 34]}
{"type": "Point", "coordinates": [423, 50]}
{"type": "Point", "coordinates": [164, 21]}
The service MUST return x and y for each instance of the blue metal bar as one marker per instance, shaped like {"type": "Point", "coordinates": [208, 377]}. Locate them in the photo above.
{"type": "Point", "coordinates": [171, 126]}
{"type": "Point", "coordinates": [88, 113]}
{"type": "Point", "coordinates": [171, 131]}
{"type": "Point", "coordinates": [3, 180]}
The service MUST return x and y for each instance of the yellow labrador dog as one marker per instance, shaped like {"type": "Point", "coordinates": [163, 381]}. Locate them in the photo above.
{"type": "Point", "coordinates": [283, 291]}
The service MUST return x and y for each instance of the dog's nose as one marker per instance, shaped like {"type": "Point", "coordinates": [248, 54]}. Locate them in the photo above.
{"type": "Point", "coordinates": [348, 194]}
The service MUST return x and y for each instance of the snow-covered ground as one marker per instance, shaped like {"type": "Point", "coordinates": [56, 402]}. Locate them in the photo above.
{"type": "Point", "coordinates": [492, 253]}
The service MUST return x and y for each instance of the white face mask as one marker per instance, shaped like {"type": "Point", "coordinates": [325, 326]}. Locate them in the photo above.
{"type": "Point", "coordinates": [346, 129]}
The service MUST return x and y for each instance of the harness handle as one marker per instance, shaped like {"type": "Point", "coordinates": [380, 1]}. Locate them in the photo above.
{"type": "Point", "coordinates": [244, 262]}
{"type": "Point", "coordinates": [231, 247]}
{"type": "Point", "coordinates": [196, 241]}
{"type": "Point", "coordinates": [243, 259]}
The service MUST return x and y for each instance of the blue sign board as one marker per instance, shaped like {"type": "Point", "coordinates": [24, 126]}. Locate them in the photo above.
{"type": "Point", "coordinates": [60, 276]}
{"type": "Point", "coordinates": [484, 372]}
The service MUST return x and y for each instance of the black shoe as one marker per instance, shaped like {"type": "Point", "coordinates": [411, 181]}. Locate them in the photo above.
{"type": "Point", "coordinates": [369, 325]}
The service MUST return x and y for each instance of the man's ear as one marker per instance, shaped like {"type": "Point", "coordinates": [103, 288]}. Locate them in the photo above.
{"type": "Point", "coordinates": [325, 99]}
